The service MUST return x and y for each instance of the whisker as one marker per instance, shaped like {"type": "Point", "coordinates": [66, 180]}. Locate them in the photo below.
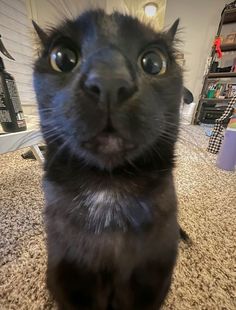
{"type": "Point", "coordinates": [193, 144]}
{"type": "Point", "coordinates": [133, 165]}
{"type": "Point", "coordinates": [52, 141]}
{"type": "Point", "coordinates": [155, 150]}
{"type": "Point", "coordinates": [57, 153]}
{"type": "Point", "coordinates": [46, 109]}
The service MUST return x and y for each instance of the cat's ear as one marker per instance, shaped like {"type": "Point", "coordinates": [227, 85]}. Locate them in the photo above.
{"type": "Point", "coordinates": [173, 29]}
{"type": "Point", "coordinates": [41, 34]}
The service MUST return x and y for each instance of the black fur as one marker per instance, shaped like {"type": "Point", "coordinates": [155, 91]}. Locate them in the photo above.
{"type": "Point", "coordinates": [110, 215]}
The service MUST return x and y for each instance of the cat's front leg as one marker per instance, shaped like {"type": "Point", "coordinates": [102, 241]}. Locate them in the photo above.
{"type": "Point", "coordinates": [146, 288]}
{"type": "Point", "coordinates": [77, 288]}
{"type": "Point", "coordinates": [150, 285]}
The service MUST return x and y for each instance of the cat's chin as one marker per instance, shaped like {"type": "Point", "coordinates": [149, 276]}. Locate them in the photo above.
{"type": "Point", "coordinates": [108, 144]}
{"type": "Point", "coordinates": [108, 150]}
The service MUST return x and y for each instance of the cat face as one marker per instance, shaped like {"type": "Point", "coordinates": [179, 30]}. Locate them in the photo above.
{"type": "Point", "coordinates": [108, 89]}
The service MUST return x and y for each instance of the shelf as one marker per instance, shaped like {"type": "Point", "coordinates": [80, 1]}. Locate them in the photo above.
{"type": "Point", "coordinates": [215, 108]}
{"type": "Point", "coordinates": [228, 47]}
{"type": "Point", "coordinates": [215, 99]}
{"type": "Point", "coordinates": [230, 16]}
{"type": "Point", "coordinates": [221, 75]}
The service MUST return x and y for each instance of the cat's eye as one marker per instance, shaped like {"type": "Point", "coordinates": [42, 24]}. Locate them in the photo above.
{"type": "Point", "coordinates": [154, 62]}
{"type": "Point", "coordinates": [63, 59]}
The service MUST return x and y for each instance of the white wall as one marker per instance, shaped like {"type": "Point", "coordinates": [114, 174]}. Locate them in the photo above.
{"type": "Point", "coordinates": [199, 23]}
{"type": "Point", "coordinates": [48, 12]}
{"type": "Point", "coordinates": [14, 28]}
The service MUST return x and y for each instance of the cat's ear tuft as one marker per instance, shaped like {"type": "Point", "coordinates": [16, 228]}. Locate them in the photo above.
{"type": "Point", "coordinates": [173, 29]}
{"type": "Point", "coordinates": [41, 34]}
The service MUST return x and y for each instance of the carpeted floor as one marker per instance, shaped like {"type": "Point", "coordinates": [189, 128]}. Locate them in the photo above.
{"type": "Point", "coordinates": [204, 276]}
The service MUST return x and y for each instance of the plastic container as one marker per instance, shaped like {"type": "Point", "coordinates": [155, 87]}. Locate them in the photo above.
{"type": "Point", "coordinates": [226, 159]}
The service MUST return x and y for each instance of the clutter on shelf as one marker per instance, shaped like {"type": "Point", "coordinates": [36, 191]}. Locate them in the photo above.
{"type": "Point", "coordinates": [11, 113]}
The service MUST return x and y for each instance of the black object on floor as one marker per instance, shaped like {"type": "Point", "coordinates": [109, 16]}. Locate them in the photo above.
{"type": "Point", "coordinates": [184, 236]}
{"type": "Point", "coordinates": [187, 96]}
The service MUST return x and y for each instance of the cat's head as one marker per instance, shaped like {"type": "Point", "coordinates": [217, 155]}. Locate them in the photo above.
{"type": "Point", "coordinates": [108, 89]}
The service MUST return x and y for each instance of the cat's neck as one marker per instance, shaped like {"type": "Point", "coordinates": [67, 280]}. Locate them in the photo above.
{"type": "Point", "coordinates": [64, 167]}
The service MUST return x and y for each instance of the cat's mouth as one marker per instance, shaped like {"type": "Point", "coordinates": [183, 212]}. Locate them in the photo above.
{"type": "Point", "coordinates": [108, 144]}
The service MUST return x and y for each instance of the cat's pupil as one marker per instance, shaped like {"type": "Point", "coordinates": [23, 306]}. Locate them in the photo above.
{"type": "Point", "coordinates": [63, 59]}
{"type": "Point", "coordinates": [153, 63]}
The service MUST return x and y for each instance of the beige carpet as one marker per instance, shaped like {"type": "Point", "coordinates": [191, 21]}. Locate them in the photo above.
{"type": "Point", "coordinates": [204, 276]}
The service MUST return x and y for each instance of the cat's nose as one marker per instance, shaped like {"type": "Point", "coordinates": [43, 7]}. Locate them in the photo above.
{"type": "Point", "coordinates": [109, 90]}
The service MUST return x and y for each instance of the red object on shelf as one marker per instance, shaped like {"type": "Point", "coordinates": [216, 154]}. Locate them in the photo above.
{"type": "Point", "coordinates": [217, 44]}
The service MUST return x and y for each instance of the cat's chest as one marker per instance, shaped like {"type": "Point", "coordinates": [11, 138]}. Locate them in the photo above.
{"type": "Point", "coordinates": [98, 210]}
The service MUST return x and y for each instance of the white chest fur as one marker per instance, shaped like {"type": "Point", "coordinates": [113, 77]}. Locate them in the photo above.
{"type": "Point", "coordinates": [107, 209]}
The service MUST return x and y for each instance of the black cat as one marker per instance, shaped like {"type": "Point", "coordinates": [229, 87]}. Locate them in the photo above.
{"type": "Point", "coordinates": [109, 90]}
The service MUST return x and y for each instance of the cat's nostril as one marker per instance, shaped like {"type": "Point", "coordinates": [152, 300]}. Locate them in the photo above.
{"type": "Point", "coordinates": [94, 89]}
{"type": "Point", "coordinates": [114, 90]}
{"type": "Point", "coordinates": [122, 91]}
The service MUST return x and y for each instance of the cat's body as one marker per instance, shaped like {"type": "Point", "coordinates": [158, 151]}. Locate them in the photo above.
{"type": "Point", "coordinates": [110, 199]}
{"type": "Point", "coordinates": [93, 263]}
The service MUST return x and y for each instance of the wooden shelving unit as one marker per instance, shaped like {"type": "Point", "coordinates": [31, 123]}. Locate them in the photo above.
{"type": "Point", "coordinates": [215, 99]}
{"type": "Point", "coordinates": [221, 75]}
{"type": "Point", "coordinates": [228, 47]}
{"type": "Point", "coordinates": [227, 17]}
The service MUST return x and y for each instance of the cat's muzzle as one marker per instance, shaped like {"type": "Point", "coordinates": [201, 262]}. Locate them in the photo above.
{"type": "Point", "coordinates": [110, 144]}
